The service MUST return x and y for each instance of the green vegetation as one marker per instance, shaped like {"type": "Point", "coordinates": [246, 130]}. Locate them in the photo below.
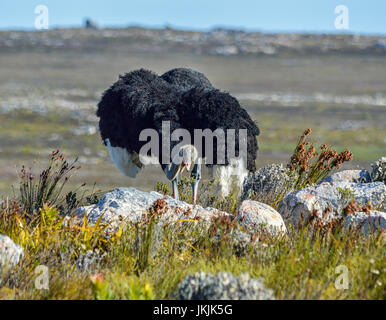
{"type": "Point", "coordinates": [132, 265]}
{"type": "Point", "coordinates": [299, 266]}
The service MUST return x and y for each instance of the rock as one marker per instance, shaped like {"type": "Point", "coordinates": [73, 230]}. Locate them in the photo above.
{"type": "Point", "coordinates": [132, 206]}
{"type": "Point", "coordinates": [327, 200]}
{"type": "Point", "coordinates": [260, 216]}
{"type": "Point", "coordinates": [10, 252]}
{"type": "Point", "coordinates": [266, 184]}
{"type": "Point", "coordinates": [378, 172]}
{"type": "Point", "coordinates": [223, 286]}
{"type": "Point", "coordinates": [362, 176]}
{"type": "Point", "coordinates": [366, 222]}
{"type": "Point", "coordinates": [129, 205]}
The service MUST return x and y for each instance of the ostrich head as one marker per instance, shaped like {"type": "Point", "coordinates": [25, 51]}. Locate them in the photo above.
{"type": "Point", "coordinates": [183, 159]}
{"type": "Point", "coordinates": [186, 157]}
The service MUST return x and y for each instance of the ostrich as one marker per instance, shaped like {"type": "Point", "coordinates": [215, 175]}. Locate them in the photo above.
{"type": "Point", "coordinates": [185, 98]}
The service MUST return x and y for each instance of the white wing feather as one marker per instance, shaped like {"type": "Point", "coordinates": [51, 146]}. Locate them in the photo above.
{"type": "Point", "coordinates": [123, 160]}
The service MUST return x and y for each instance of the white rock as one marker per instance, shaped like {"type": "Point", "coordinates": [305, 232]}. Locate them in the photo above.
{"type": "Point", "coordinates": [222, 286]}
{"type": "Point", "coordinates": [367, 223]}
{"type": "Point", "coordinates": [10, 252]}
{"type": "Point", "coordinates": [132, 205]}
{"type": "Point", "coordinates": [348, 176]}
{"type": "Point", "coordinates": [326, 195]}
{"type": "Point", "coordinates": [257, 215]}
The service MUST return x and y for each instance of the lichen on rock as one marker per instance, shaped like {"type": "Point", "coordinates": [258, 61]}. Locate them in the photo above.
{"type": "Point", "coordinates": [266, 184]}
{"type": "Point", "coordinates": [378, 172]}
{"type": "Point", "coordinates": [10, 252]}
{"type": "Point", "coordinates": [222, 286]}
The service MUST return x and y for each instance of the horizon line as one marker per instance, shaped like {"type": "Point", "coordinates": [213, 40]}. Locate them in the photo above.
{"type": "Point", "coordinates": [204, 29]}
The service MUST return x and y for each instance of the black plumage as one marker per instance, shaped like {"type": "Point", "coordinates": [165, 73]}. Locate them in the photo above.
{"type": "Point", "coordinates": [186, 79]}
{"type": "Point", "coordinates": [141, 99]}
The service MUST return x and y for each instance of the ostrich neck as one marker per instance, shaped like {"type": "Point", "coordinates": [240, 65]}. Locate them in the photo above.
{"type": "Point", "coordinates": [172, 170]}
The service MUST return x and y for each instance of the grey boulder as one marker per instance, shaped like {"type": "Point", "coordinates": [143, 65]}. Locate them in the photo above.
{"type": "Point", "coordinates": [366, 222]}
{"type": "Point", "coordinates": [349, 176]}
{"type": "Point", "coordinates": [266, 184]}
{"type": "Point", "coordinates": [378, 172]}
{"type": "Point", "coordinates": [328, 201]}
{"type": "Point", "coordinates": [260, 216]}
{"type": "Point", "coordinates": [223, 286]}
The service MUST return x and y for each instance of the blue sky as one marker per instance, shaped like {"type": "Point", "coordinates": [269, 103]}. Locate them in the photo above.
{"type": "Point", "coordinates": [365, 16]}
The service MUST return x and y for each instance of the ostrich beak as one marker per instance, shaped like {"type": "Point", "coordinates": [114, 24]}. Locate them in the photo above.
{"type": "Point", "coordinates": [185, 166]}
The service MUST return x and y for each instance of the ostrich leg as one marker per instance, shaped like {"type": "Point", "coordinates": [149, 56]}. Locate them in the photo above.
{"type": "Point", "coordinates": [175, 188]}
{"type": "Point", "coordinates": [171, 172]}
{"type": "Point", "coordinates": [196, 175]}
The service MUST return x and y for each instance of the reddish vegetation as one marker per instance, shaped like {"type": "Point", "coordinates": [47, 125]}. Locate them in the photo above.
{"type": "Point", "coordinates": [312, 169]}
{"type": "Point", "coordinates": [353, 207]}
{"type": "Point", "coordinates": [326, 211]}
{"type": "Point", "coordinates": [367, 208]}
{"type": "Point", "coordinates": [159, 207]}
{"type": "Point", "coordinates": [9, 209]}
{"type": "Point", "coordinates": [302, 155]}
{"type": "Point", "coordinates": [261, 236]}
{"type": "Point", "coordinates": [188, 211]}
{"type": "Point", "coordinates": [221, 221]}
{"type": "Point", "coordinates": [318, 223]}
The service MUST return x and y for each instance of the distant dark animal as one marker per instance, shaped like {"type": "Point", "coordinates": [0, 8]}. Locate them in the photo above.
{"type": "Point", "coordinates": [185, 98]}
{"type": "Point", "coordinates": [90, 24]}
